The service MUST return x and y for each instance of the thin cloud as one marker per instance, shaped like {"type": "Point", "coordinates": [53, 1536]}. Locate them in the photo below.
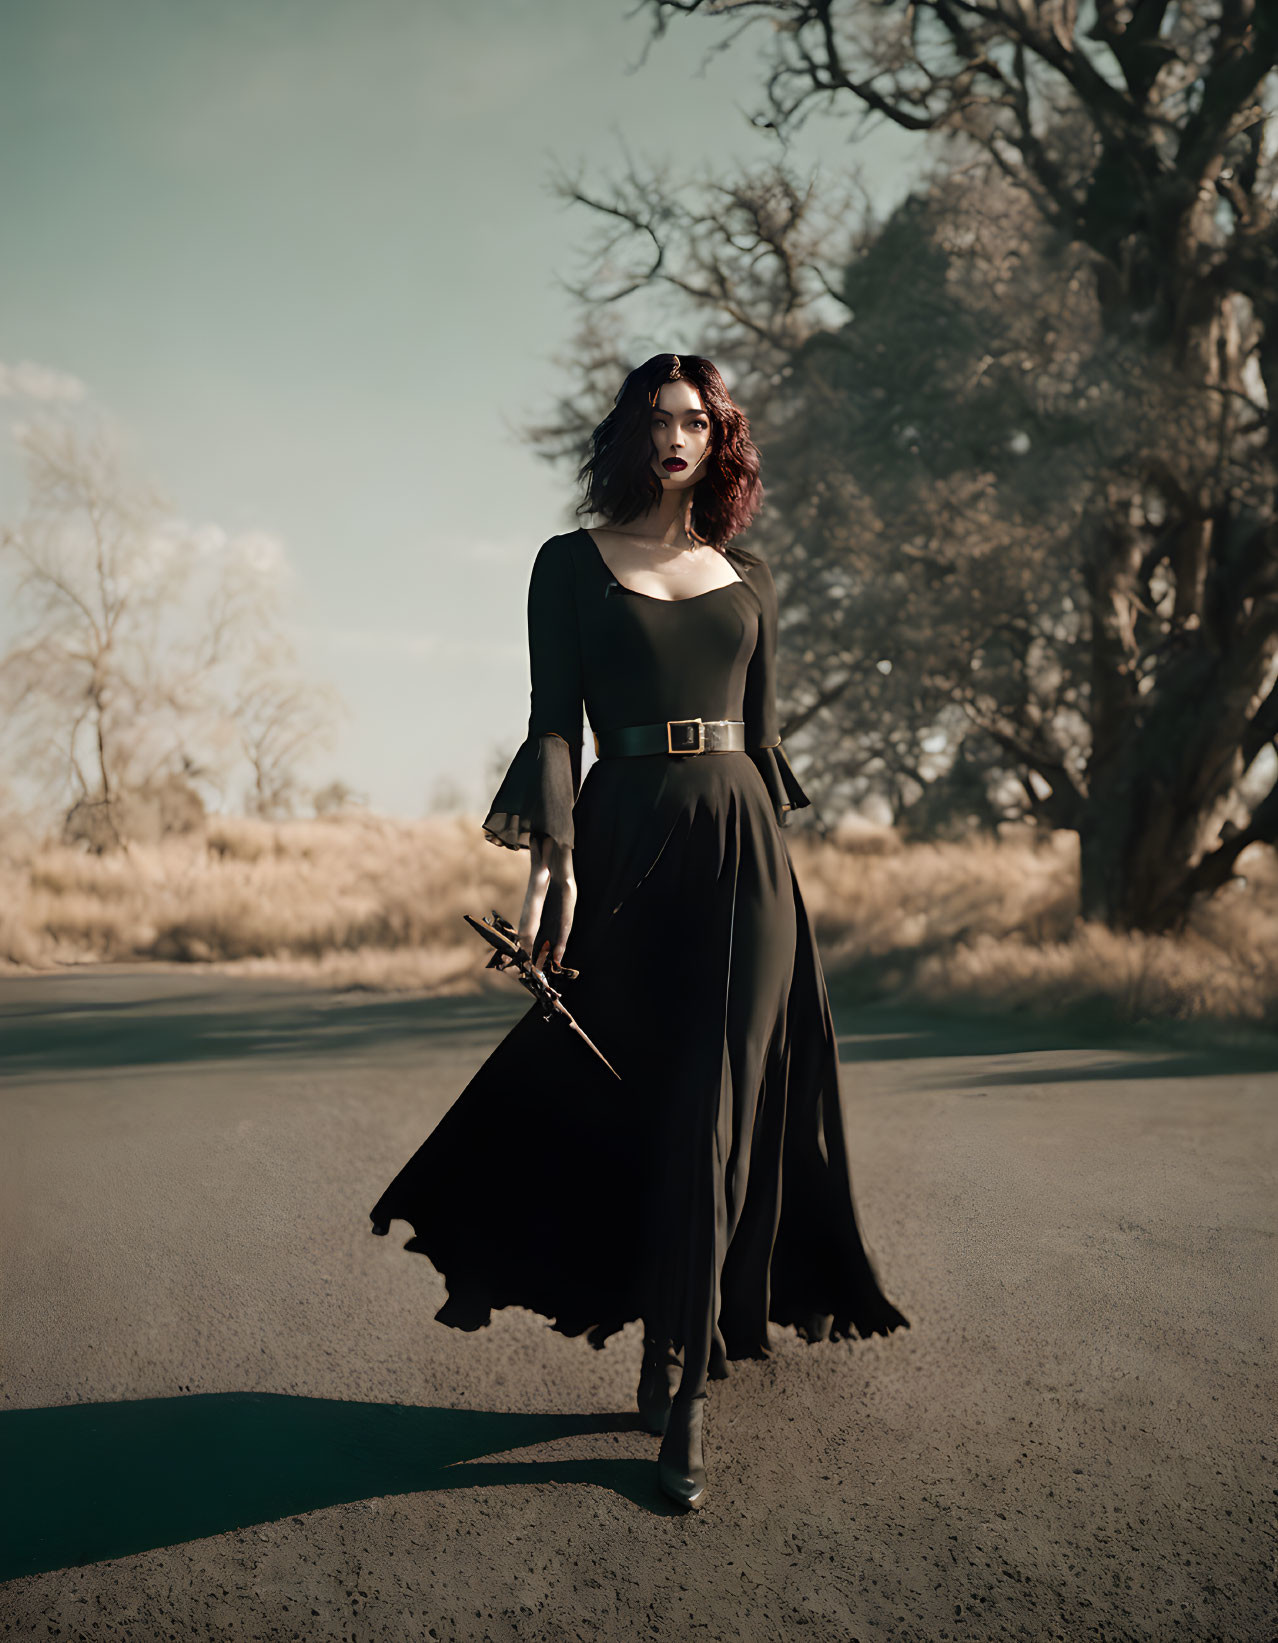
{"type": "Point", "coordinates": [259, 552]}
{"type": "Point", "coordinates": [31, 381]}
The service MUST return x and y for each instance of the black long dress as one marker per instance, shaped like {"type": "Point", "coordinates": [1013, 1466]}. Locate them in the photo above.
{"type": "Point", "coordinates": [708, 1191]}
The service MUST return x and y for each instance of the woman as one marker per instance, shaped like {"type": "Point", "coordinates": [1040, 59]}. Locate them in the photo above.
{"type": "Point", "coordinates": [707, 1191]}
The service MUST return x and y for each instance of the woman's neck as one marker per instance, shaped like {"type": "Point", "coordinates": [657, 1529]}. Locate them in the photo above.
{"type": "Point", "coordinates": [664, 526]}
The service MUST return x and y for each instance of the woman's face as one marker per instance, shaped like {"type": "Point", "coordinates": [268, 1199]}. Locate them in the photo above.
{"type": "Point", "coordinates": [680, 436]}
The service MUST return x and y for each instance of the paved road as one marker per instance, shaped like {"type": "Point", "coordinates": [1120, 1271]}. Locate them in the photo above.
{"type": "Point", "coordinates": [229, 1414]}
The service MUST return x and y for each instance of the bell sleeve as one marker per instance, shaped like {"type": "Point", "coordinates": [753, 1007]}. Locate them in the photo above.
{"type": "Point", "coordinates": [762, 729]}
{"type": "Point", "coordinates": [540, 787]}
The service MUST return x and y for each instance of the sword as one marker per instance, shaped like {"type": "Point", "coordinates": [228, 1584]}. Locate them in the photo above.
{"type": "Point", "coordinates": [501, 934]}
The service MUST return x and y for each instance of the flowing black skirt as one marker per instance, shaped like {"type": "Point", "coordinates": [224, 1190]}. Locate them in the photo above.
{"type": "Point", "coordinates": [708, 1191]}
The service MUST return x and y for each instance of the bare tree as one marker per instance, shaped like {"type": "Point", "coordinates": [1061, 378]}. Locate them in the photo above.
{"type": "Point", "coordinates": [337, 798]}
{"type": "Point", "coordinates": [142, 643]}
{"type": "Point", "coordinates": [281, 720]}
{"type": "Point", "coordinates": [1137, 134]}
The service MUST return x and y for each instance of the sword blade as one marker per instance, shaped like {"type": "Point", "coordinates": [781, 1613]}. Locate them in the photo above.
{"type": "Point", "coordinates": [586, 1039]}
{"type": "Point", "coordinates": [500, 935]}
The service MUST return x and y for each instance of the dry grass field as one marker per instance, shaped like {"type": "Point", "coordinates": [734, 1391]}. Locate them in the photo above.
{"type": "Point", "coordinates": [366, 900]}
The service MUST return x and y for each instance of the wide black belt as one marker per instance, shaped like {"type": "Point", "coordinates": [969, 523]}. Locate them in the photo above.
{"type": "Point", "coordinates": [672, 736]}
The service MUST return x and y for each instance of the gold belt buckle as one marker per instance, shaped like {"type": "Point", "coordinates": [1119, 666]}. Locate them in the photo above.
{"type": "Point", "coordinates": [701, 735]}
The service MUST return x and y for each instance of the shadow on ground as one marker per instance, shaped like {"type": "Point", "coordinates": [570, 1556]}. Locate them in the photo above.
{"type": "Point", "coordinates": [1146, 1049]}
{"type": "Point", "coordinates": [151, 1021]}
{"type": "Point", "coordinates": [115, 1018]}
{"type": "Point", "coordinates": [91, 1481]}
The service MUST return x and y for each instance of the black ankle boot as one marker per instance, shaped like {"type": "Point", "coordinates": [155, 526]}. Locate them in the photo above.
{"type": "Point", "coordinates": [658, 1377]}
{"type": "Point", "coordinates": [681, 1469]}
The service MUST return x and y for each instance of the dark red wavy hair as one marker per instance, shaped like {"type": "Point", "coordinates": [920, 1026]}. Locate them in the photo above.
{"type": "Point", "coordinates": [618, 476]}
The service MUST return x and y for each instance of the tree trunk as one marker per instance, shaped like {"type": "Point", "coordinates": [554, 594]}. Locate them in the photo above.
{"type": "Point", "coordinates": [1173, 703]}
{"type": "Point", "coordinates": [1151, 831]}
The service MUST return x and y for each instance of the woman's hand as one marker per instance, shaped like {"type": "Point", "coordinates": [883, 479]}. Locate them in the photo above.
{"type": "Point", "coordinates": [550, 879]}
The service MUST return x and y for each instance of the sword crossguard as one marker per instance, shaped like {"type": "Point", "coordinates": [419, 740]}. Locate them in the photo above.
{"type": "Point", "coordinates": [501, 935]}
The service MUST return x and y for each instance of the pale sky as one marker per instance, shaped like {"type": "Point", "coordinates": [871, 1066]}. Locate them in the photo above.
{"type": "Point", "coordinates": [306, 253]}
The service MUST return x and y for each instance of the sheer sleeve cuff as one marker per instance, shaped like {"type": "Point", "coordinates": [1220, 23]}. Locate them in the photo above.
{"type": "Point", "coordinates": [536, 795]}
{"type": "Point", "coordinates": [781, 781]}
